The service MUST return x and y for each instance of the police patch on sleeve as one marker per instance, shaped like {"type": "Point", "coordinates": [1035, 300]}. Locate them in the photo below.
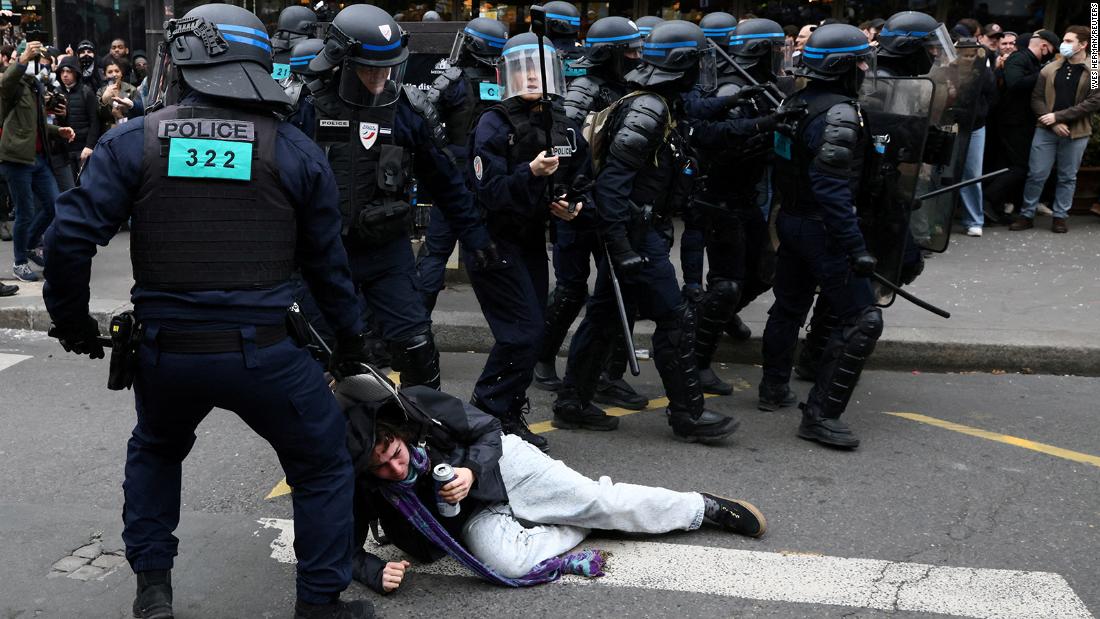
{"type": "Point", "coordinates": [479, 169]}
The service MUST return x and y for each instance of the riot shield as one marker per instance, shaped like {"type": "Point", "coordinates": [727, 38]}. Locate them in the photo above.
{"type": "Point", "coordinates": [896, 112]}
{"type": "Point", "coordinates": [957, 79]}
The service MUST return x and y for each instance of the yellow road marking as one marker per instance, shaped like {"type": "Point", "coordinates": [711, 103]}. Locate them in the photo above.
{"type": "Point", "coordinates": [280, 489]}
{"type": "Point", "coordinates": [1050, 450]}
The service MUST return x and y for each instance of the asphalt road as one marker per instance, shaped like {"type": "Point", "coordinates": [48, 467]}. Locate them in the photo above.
{"type": "Point", "coordinates": [914, 493]}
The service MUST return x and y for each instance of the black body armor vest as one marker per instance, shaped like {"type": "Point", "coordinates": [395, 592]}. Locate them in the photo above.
{"type": "Point", "coordinates": [372, 173]}
{"type": "Point", "coordinates": [482, 92]}
{"type": "Point", "coordinates": [749, 156]}
{"type": "Point", "coordinates": [211, 212]}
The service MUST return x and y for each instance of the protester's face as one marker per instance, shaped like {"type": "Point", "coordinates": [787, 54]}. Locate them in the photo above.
{"type": "Point", "coordinates": [1071, 39]}
{"type": "Point", "coordinates": [87, 53]}
{"type": "Point", "coordinates": [390, 461]}
{"type": "Point", "coordinates": [803, 35]}
{"type": "Point", "coordinates": [1008, 44]}
{"type": "Point", "coordinates": [113, 73]}
{"type": "Point", "coordinates": [140, 65]}
{"type": "Point", "coordinates": [119, 49]}
{"type": "Point", "coordinates": [373, 78]}
{"type": "Point", "coordinates": [68, 77]}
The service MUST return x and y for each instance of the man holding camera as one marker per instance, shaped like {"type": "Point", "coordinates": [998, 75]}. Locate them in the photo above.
{"type": "Point", "coordinates": [25, 157]}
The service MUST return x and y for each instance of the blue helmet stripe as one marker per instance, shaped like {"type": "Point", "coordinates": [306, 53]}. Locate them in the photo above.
{"type": "Point", "coordinates": [901, 33]}
{"type": "Point", "coordinates": [238, 39]}
{"type": "Point", "coordinates": [243, 30]}
{"type": "Point", "coordinates": [302, 59]}
{"type": "Point", "coordinates": [652, 52]}
{"type": "Point", "coordinates": [625, 37]}
{"type": "Point", "coordinates": [812, 55]}
{"type": "Point", "coordinates": [718, 31]}
{"type": "Point", "coordinates": [572, 21]}
{"type": "Point", "coordinates": [382, 48]}
{"type": "Point", "coordinates": [763, 35]}
{"type": "Point", "coordinates": [518, 48]}
{"type": "Point", "coordinates": [827, 50]}
{"type": "Point", "coordinates": [672, 45]}
{"type": "Point", "coordinates": [493, 41]}
{"type": "Point", "coordinates": [645, 29]}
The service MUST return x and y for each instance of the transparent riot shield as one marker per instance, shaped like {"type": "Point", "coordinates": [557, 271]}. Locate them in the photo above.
{"type": "Point", "coordinates": [957, 78]}
{"type": "Point", "coordinates": [896, 111]}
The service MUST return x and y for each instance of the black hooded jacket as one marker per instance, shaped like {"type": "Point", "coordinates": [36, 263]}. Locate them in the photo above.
{"type": "Point", "coordinates": [82, 114]}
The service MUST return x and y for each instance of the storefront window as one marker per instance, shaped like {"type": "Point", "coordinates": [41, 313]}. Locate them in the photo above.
{"type": "Point", "coordinates": [99, 21]}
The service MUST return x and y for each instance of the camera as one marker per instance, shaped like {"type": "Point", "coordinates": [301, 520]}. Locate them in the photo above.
{"type": "Point", "coordinates": [32, 33]}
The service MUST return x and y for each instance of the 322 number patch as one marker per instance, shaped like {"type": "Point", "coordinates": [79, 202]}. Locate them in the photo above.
{"type": "Point", "coordinates": [190, 158]}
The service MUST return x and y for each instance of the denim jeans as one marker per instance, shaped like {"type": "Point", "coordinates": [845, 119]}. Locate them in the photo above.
{"type": "Point", "coordinates": [563, 507]}
{"type": "Point", "coordinates": [972, 195]}
{"type": "Point", "coordinates": [1047, 148]}
{"type": "Point", "coordinates": [27, 184]}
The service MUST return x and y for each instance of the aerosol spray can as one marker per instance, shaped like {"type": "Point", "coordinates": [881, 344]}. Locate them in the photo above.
{"type": "Point", "coordinates": [443, 474]}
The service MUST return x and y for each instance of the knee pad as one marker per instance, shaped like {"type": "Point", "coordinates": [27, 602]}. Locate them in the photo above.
{"type": "Point", "coordinates": [865, 331]}
{"type": "Point", "coordinates": [722, 296]}
{"type": "Point", "coordinates": [417, 359]}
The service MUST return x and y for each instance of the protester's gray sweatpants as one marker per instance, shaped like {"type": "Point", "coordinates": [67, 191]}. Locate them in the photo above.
{"type": "Point", "coordinates": [564, 506]}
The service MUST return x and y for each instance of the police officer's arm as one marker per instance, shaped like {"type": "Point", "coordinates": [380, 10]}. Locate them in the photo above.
{"type": "Point", "coordinates": [499, 186]}
{"type": "Point", "coordinates": [580, 98]}
{"type": "Point", "coordinates": [87, 216]}
{"type": "Point", "coordinates": [638, 133]}
{"type": "Point", "coordinates": [697, 105]}
{"type": "Point", "coordinates": [308, 179]}
{"type": "Point", "coordinates": [712, 126]}
{"type": "Point", "coordinates": [835, 137]}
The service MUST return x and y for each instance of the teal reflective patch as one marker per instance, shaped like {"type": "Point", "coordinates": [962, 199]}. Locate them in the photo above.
{"type": "Point", "coordinates": [280, 71]}
{"type": "Point", "coordinates": [190, 158]}
{"type": "Point", "coordinates": [571, 71]}
{"type": "Point", "coordinates": [782, 146]}
{"type": "Point", "coordinates": [489, 91]}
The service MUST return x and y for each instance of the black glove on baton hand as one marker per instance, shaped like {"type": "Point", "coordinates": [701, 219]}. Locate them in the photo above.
{"type": "Point", "coordinates": [350, 353]}
{"type": "Point", "coordinates": [488, 258]}
{"type": "Point", "coordinates": [624, 259]}
{"type": "Point", "coordinates": [863, 264]}
{"type": "Point", "coordinates": [82, 339]}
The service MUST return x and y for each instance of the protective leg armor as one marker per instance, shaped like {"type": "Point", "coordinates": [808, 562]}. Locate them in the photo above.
{"type": "Point", "coordinates": [822, 324]}
{"type": "Point", "coordinates": [717, 309]}
{"type": "Point", "coordinates": [417, 359]}
{"type": "Point", "coordinates": [843, 360]}
{"type": "Point", "coordinates": [564, 306]}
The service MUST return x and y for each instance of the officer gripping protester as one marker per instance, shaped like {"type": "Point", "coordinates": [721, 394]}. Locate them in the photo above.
{"type": "Point", "coordinates": [519, 185]}
{"type": "Point", "coordinates": [224, 201]}
{"type": "Point", "coordinates": [612, 49]}
{"type": "Point", "coordinates": [646, 174]}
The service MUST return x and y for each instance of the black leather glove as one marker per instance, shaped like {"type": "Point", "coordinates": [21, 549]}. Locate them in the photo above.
{"type": "Point", "coordinates": [745, 94]}
{"type": "Point", "coordinates": [863, 264]}
{"type": "Point", "coordinates": [624, 259]}
{"type": "Point", "coordinates": [82, 339]}
{"type": "Point", "coordinates": [783, 115]}
{"type": "Point", "coordinates": [350, 355]}
{"type": "Point", "coordinates": [692, 293]}
{"type": "Point", "coordinates": [488, 258]}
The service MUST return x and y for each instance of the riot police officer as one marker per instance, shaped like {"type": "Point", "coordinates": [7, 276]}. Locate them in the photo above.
{"type": "Point", "coordinates": [819, 166]}
{"type": "Point", "coordinates": [376, 131]}
{"type": "Point", "coordinates": [304, 116]}
{"type": "Point", "coordinates": [646, 174]}
{"type": "Point", "coordinates": [519, 187]}
{"type": "Point", "coordinates": [295, 24]}
{"type": "Point", "coordinates": [466, 89]}
{"type": "Point", "coordinates": [733, 127]}
{"type": "Point", "coordinates": [563, 28]}
{"type": "Point", "coordinates": [612, 49]}
{"type": "Point", "coordinates": [646, 23]}
{"type": "Point", "coordinates": [224, 200]}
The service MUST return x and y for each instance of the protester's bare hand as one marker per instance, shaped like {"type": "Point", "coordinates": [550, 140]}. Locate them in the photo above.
{"type": "Point", "coordinates": [543, 165]}
{"type": "Point", "coordinates": [1047, 119]}
{"type": "Point", "coordinates": [33, 49]}
{"type": "Point", "coordinates": [459, 487]}
{"type": "Point", "coordinates": [69, 50]}
{"type": "Point", "coordinates": [123, 102]}
{"type": "Point", "coordinates": [1061, 130]}
{"type": "Point", "coordinates": [66, 133]}
{"type": "Point", "coordinates": [84, 154]}
{"type": "Point", "coordinates": [393, 574]}
{"type": "Point", "coordinates": [560, 209]}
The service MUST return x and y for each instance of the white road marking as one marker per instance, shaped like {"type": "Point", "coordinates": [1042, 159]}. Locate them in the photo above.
{"type": "Point", "coordinates": [807, 579]}
{"type": "Point", "coordinates": [7, 360]}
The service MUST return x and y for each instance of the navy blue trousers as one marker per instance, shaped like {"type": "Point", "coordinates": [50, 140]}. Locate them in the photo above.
{"type": "Point", "coordinates": [808, 259]}
{"type": "Point", "coordinates": [386, 277]}
{"type": "Point", "coordinates": [281, 394]}
{"type": "Point", "coordinates": [439, 244]}
{"type": "Point", "coordinates": [513, 299]}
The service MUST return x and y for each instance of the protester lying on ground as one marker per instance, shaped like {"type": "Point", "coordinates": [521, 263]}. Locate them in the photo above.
{"type": "Point", "coordinates": [518, 510]}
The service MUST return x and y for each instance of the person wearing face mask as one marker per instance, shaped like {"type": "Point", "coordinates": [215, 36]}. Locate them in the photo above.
{"type": "Point", "coordinates": [1016, 120]}
{"type": "Point", "coordinates": [90, 72]}
{"type": "Point", "coordinates": [1063, 100]}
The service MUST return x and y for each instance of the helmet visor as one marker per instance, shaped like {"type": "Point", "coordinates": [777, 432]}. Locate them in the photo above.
{"type": "Point", "coordinates": [467, 40]}
{"type": "Point", "coordinates": [939, 46]}
{"type": "Point", "coordinates": [519, 72]}
{"type": "Point", "coordinates": [708, 70]}
{"type": "Point", "coordinates": [367, 86]}
{"type": "Point", "coordinates": [158, 78]}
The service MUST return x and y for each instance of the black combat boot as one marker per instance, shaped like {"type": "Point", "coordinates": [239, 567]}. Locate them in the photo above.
{"type": "Point", "coordinates": [714, 312]}
{"type": "Point", "coordinates": [564, 305]}
{"type": "Point", "coordinates": [619, 393]}
{"type": "Point", "coordinates": [738, 330]}
{"type": "Point", "coordinates": [546, 376]}
{"type": "Point", "coordinates": [154, 595]}
{"type": "Point", "coordinates": [572, 415]}
{"type": "Point", "coordinates": [733, 515]}
{"type": "Point", "coordinates": [774, 397]}
{"type": "Point", "coordinates": [712, 384]}
{"type": "Point", "coordinates": [708, 427]}
{"type": "Point", "coordinates": [359, 609]}
{"type": "Point", "coordinates": [825, 430]}
{"type": "Point", "coordinates": [515, 422]}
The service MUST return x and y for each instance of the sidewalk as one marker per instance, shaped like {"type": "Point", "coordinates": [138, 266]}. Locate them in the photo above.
{"type": "Point", "coordinates": [1019, 302]}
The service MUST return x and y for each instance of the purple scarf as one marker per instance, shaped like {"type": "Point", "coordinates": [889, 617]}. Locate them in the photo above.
{"type": "Point", "coordinates": [402, 495]}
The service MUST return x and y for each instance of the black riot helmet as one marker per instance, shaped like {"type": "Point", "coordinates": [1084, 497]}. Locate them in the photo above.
{"type": "Point", "coordinates": [295, 23]}
{"type": "Point", "coordinates": [221, 51]}
{"type": "Point", "coordinates": [563, 22]}
{"type": "Point", "coordinates": [912, 40]}
{"type": "Point", "coordinates": [608, 41]}
{"type": "Point", "coordinates": [302, 53]}
{"type": "Point", "coordinates": [430, 16]}
{"type": "Point", "coordinates": [647, 22]}
{"type": "Point", "coordinates": [833, 53]}
{"type": "Point", "coordinates": [371, 50]}
{"type": "Point", "coordinates": [481, 40]}
{"type": "Point", "coordinates": [758, 44]}
{"type": "Point", "coordinates": [676, 55]}
{"type": "Point", "coordinates": [718, 26]}
{"type": "Point", "coordinates": [519, 72]}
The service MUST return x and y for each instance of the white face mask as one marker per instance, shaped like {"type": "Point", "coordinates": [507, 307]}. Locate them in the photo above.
{"type": "Point", "coordinates": [1066, 49]}
{"type": "Point", "coordinates": [30, 69]}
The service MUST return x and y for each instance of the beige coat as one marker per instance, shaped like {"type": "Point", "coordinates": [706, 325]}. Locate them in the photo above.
{"type": "Point", "coordinates": [1077, 116]}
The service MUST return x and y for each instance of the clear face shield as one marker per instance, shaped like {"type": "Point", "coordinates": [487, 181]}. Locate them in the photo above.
{"type": "Point", "coordinates": [160, 70]}
{"type": "Point", "coordinates": [940, 48]}
{"type": "Point", "coordinates": [519, 74]}
{"type": "Point", "coordinates": [777, 59]}
{"type": "Point", "coordinates": [708, 70]}
{"type": "Point", "coordinates": [363, 85]}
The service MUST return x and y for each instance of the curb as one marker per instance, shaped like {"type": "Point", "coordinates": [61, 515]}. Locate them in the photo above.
{"type": "Point", "coordinates": [468, 332]}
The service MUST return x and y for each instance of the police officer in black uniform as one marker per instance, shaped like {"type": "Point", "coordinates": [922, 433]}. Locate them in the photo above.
{"type": "Point", "coordinates": [376, 132]}
{"type": "Point", "coordinates": [295, 24]}
{"type": "Point", "coordinates": [646, 23]}
{"type": "Point", "coordinates": [304, 116]}
{"type": "Point", "coordinates": [563, 28]}
{"type": "Point", "coordinates": [612, 49]}
{"type": "Point", "coordinates": [519, 188]}
{"type": "Point", "coordinates": [224, 201]}
{"type": "Point", "coordinates": [646, 173]}
{"type": "Point", "coordinates": [732, 135]}
{"type": "Point", "coordinates": [819, 166]}
{"type": "Point", "coordinates": [466, 89]}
